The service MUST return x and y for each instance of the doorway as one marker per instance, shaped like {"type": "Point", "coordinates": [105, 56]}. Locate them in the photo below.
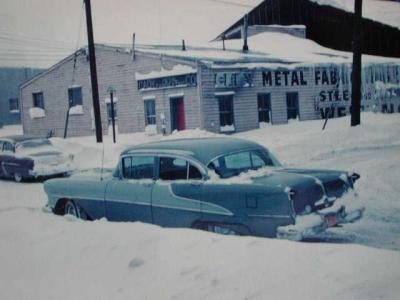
{"type": "Point", "coordinates": [292, 102]}
{"type": "Point", "coordinates": [177, 114]}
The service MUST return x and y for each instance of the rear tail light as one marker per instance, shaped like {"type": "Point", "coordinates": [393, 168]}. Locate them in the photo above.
{"type": "Point", "coordinates": [355, 177]}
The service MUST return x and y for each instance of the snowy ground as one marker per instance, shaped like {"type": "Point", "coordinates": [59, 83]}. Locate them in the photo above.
{"type": "Point", "coordinates": [43, 256]}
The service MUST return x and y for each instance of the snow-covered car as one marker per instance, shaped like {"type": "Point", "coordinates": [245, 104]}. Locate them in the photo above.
{"type": "Point", "coordinates": [223, 185]}
{"type": "Point", "coordinates": [24, 157]}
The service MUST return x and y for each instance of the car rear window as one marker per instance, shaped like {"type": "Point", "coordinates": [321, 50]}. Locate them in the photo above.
{"type": "Point", "coordinates": [233, 164]}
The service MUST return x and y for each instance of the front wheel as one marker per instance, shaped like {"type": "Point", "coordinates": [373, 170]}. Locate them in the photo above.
{"type": "Point", "coordinates": [216, 228]}
{"type": "Point", "coordinates": [72, 209]}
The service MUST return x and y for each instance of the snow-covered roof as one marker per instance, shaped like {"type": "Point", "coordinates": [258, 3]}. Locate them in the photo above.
{"type": "Point", "coordinates": [267, 49]}
{"type": "Point", "coordinates": [387, 12]}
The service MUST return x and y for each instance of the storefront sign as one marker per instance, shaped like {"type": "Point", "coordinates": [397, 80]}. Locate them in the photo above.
{"type": "Point", "coordinates": [186, 80]}
{"type": "Point", "coordinates": [233, 79]}
{"type": "Point", "coordinates": [283, 78]}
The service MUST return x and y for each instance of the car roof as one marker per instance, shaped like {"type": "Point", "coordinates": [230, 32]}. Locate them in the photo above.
{"type": "Point", "coordinates": [201, 149]}
{"type": "Point", "coordinates": [19, 138]}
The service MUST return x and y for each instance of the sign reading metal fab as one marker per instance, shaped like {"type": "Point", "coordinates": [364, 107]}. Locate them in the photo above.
{"type": "Point", "coordinates": [233, 79]}
{"type": "Point", "coordinates": [186, 80]}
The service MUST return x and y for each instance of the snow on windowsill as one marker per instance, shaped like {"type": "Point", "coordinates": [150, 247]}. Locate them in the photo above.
{"type": "Point", "coordinates": [227, 128]}
{"type": "Point", "coordinates": [14, 111]}
{"type": "Point", "coordinates": [76, 110]}
{"type": "Point", "coordinates": [150, 129]}
{"type": "Point", "coordinates": [37, 112]}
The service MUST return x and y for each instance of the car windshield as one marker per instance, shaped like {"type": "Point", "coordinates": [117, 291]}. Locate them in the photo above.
{"type": "Point", "coordinates": [32, 144]}
{"type": "Point", "coordinates": [235, 163]}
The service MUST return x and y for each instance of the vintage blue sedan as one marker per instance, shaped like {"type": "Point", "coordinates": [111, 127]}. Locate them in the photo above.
{"type": "Point", "coordinates": [223, 185]}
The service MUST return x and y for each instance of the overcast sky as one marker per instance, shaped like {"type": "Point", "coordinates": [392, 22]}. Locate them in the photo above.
{"type": "Point", "coordinates": [41, 32]}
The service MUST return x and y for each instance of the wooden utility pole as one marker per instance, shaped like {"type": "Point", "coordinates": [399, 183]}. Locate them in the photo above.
{"type": "Point", "coordinates": [245, 28]}
{"type": "Point", "coordinates": [356, 73]}
{"type": "Point", "coordinates": [93, 74]}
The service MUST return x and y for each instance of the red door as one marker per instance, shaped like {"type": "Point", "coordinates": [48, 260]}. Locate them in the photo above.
{"type": "Point", "coordinates": [177, 114]}
{"type": "Point", "coordinates": [181, 115]}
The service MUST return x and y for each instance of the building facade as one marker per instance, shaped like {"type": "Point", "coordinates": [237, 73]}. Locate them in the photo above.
{"type": "Point", "coordinates": [10, 79]}
{"type": "Point", "coordinates": [166, 89]}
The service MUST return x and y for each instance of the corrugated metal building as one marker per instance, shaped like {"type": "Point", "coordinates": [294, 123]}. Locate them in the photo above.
{"type": "Point", "coordinates": [282, 77]}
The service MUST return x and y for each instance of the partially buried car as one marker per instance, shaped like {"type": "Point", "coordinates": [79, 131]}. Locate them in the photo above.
{"type": "Point", "coordinates": [24, 157]}
{"type": "Point", "coordinates": [223, 185]}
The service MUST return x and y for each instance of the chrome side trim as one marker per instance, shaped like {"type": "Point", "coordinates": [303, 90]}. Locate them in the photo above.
{"type": "Point", "coordinates": [271, 216]}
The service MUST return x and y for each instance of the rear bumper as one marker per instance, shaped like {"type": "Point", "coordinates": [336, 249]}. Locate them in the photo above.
{"type": "Point", "coordinates": [49, 170]}
{"type": "Point", "coordinates": [348, 209]}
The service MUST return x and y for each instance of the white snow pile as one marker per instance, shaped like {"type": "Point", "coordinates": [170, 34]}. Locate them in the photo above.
{"type": "Point", "coordinates": [37, 112]}
{"type": "Point", "coordinates": [175, 71]}
{"type": "Point", "coordinates": [44, 256]}
{"type": "Point", "coordinates": [76, 110]}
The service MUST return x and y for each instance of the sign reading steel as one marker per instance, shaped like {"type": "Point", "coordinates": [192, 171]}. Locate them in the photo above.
{"type": "Point", "coordinates": [233, 79]}
{"type": "Point", "coordinates": [186, 80]}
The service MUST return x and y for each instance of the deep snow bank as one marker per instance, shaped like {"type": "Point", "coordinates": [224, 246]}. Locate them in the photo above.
{"type": "Point", "coordinates": [43, 256]}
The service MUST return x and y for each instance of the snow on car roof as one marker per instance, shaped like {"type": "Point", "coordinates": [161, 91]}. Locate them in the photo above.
{"type": "Point", "coordinates": [201, 149]}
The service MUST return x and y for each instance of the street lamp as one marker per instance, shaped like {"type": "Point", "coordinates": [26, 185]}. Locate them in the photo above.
{"type": "Point", "coordinates": [112, 91]}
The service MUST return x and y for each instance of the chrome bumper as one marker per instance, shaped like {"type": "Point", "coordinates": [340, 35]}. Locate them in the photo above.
{"type": "Point", "coordinates": [49, 170]}
{"type": "Point", "coordinates": [348, 209]}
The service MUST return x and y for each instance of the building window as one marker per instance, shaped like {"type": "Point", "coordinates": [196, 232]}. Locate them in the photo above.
{"type": "Point", "coordinates": [292, 102]}
{"type": "Point", "coordinates": [75, 96]}
{"type": "Point", "coordinates": [226, 112]}
{"type": "Point", "coordinates": [109, 111]}
{"type": "Point", "coordinates": [38, 100]}
{"type": "Point", "coordinates": [150, 112]}
{"type": "Point", "coordinates": [14, 105]}
{"type": "Point", "coordinates": [264, 108]}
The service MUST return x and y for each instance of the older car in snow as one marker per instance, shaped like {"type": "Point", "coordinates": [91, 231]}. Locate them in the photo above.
{"type": "Point", "coordinates": [23, 157]}
{"type": "Point", "coordinates": [223, 185]}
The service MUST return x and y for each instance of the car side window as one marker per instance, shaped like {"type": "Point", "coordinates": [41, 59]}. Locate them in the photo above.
{"type": "Point", "coordinates": [172, 168]}
{"type": "Point", "coordinates": [194, 172]}
{"type": "Point", "coordinates": [138, 167]}
{"type": "Point", "coordinates": [1, 146]}
{"type": "Point", "coordinates": [8, 147]}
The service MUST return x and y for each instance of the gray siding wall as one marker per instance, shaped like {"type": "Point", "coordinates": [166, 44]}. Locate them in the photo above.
{"type": "Point", "coordinates": [115, 68]}
{"type": "Point", "coordinates": [309, 94]}
{"type": "Point", "coordinates": [54, 85]}
{"type": "Point", "coordinates": [132, 116]}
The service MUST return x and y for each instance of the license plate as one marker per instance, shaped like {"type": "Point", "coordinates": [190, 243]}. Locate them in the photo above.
{"type": "Point", "coordinates": [331, 221]}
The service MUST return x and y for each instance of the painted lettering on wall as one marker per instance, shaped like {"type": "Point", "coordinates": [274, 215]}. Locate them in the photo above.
{"type": "Point", "coordinates": [283, 78]}
{"type": "Point", "coordinates": [187, 80]}
{"type": "Point", "coordinates": [233, 79]}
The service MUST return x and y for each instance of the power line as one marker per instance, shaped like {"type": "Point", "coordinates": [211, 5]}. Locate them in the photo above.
{"type": "Point", "coordinates": [232, 3]}
{"type": "Point", "coordinates": [30, 37]}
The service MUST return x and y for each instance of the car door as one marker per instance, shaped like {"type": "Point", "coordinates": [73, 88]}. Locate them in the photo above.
{"type": "Point", "coordinates": [1, 159]}
{"type": "Point", "coordinates": [176, 198]}
{"type": "Point", "coordinates": [128, 197]}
